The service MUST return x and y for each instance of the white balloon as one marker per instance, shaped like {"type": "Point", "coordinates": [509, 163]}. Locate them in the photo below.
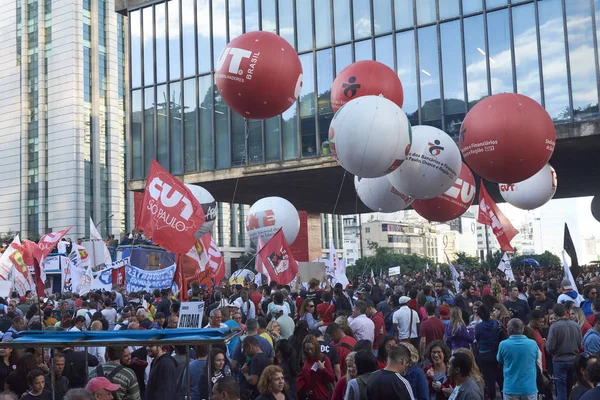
{"type": "Point", "coordinates": [431, 166]}
{"type": "Point", "coordinates": [268, 215]}
{"type": "Point", "coordinates": [209, 205]}
{"type": "Point", "coordinates": [533, 192]}
{"type": "Point", "coordinates": [379, 195]}
{"type": "Point", "coordinates": [369, 136]}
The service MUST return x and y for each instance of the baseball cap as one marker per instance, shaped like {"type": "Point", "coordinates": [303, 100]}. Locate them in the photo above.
{"type": "Point", "coordinates": [444, 311]}
{"type": "Point", "coordinates": [100, 383]}
{"type": "Point", "coordinates": [276, 309]}
{"type": "Point", "coordinates": [566, 284]}
{"type": "Point", "coordinates": [403, 299]}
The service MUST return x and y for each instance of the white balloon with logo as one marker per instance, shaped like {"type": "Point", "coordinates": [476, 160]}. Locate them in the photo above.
{"type": "Point", "coordinates": [533, 192]}
{"type": "Point", "coordinates": [209, 205]}
{"type": "Point", "coordinates": [431, 166]}
{"type": "Point", "coordinates": [369, 136]}
{"type": "Point", "coordinates": [270, 214]}
{"type": "Point", "coordinates": [379, 195]}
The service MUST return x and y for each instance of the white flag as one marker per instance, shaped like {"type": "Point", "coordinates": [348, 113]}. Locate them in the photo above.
{"type": "Point", "coordinates": [454, 274]}
{"type": "Point", "coordinates": [94, 234]}
{"type": "Point", "coordinates": [427, 266]}
{"type": "Point", "coordinates": [258, 265]}
{"type": "Point", "coordinates": [86, 281]}
{"type": "Point", "coordinates": [340, 273]}
{"type": "Point", "coordinates": [568, 274]}
{"type": "Point", "coordinates": [505, 267]}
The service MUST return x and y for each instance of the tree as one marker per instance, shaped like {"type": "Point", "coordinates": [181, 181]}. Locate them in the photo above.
{"type": "Point", "coordinates": [246, 261]}
{"type": "Point", "coordinates": [385, 258]}
{"type": "Point", "coordinates": [466, 260]}
{"type": "Point", "coordinates": [546, 260]}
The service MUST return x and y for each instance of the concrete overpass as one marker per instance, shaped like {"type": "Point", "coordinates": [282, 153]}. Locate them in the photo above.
{"type": "Point", "coordinates": [313, 184]}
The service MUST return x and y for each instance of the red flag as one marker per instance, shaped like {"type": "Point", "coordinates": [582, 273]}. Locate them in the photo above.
{"type": "Point", "coordinates": [170, 213]}
{"type": "Point", "coordinates": [278, 260]}
{"type": "Point", "coordinates": [31, 251]}
{"type": "Point", "coordinates": [490, 214]}
{"type": "Point", "coordinates": [118, 276]}
{"type": "Point", "coordinates": [39, 283]}
{"type": "Point", "coordinates": [212, 258]}
{"type": "Point", "coordinates": [49, 241]}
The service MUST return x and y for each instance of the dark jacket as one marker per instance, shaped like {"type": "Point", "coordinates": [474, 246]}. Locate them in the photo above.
{"type": "Point", "coordinates": [489, 334]}
{"type": "Point", "coordinates": [75, 367]}
{"type": "Point", "coordinates": [418, 382]}
{"type": "Point", "coordinates": [61, 386]}
{"type": "Point", "coordinates": [564, 340]}
{"type": "Point", "coordinates": [162, 382]}
{"type": "Point", "coordinates": [469, 390]}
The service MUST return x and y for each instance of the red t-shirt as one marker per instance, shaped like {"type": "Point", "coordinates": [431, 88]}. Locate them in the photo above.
{"type": "Point", "coordinates": [325, 312]}
{"type": "Point", "coordinates": [540, 342]}
{"type": "Point", "coordinates": [256, 298]}
{"type": "Point", "coordinates": [586, 327]}
{"type": "Point", "coordinates": [591, 319]}
{"type": "Point", "coordinates": [379, 329]}
{"type": "Point", "coordinates": [321, 379]}
{"type": "Point", "coordinates": [432, 329]}
{"type": "Point", "coordinates": [343, 350]}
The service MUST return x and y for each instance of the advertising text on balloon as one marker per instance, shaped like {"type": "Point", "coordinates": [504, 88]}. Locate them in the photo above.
{"type": "Point", "coordinates": [237, 55]}
{"type": "Point", "coordinates": [461, 188]}
{"type": "Point", "coordinates": [260, 219]}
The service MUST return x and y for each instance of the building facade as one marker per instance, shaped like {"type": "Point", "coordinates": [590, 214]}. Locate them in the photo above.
{"type": "Point", "coordinates": [402, 238]}
{"type": "Point", "coordinates": [62, 116]}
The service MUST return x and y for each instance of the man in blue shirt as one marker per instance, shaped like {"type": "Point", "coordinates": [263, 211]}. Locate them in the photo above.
{"type": "Point", "coordinates": [591, 340]}
{"type": "Point", "coordinates": [519, 356]}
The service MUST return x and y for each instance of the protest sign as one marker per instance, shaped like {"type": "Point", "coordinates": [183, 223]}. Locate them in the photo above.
{"type": "Point", "coordinates": [394, 271]}
{"type": "Point", "coordinates": [137, 280]}
{"type": "Point", "coordinates": [190, 314]}
{"type": "Point", "coordinates": [309, 270]}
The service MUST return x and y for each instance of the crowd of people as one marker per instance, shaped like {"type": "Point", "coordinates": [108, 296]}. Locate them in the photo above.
{"type": "Point", "coordinates": [418, 337]}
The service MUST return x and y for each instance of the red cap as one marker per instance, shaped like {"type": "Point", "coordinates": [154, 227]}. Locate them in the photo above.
{"type": "Point", "coordinates": [444, 312]}
{"type": "Point", "coordinates": [99, 383]}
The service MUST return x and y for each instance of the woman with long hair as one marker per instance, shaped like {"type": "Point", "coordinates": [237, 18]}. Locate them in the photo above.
{"type": "Point", "coordinates": [272, 385]}
{"type": "Point", "coordinates": [366, 364]}
{"type": "Point", "coordinates": [297, 338]}
{"type": "Point", "coordinates": [286, 358]}
{"type": "Point", "coordinates": [219, 368]}
{"type": "Point", "coordinates": [502, 315]}
{"type": "Point", "coordinates": [438, 355]}
{"type": "Point", "coordinates": [8, 362]}
{"type": "Point", "coordinates": [415, 375]}
{"type": "Point", "coordinates": [457, 334]}
{"type": "Point", "coordinates": [421, 300]}
{"type": "Point", "coordinates": [475, 372]}
{"type": "Point", "coordinates": [475, 318]}
{"type": "Point", "coordinates": [340, 387]}
{"type": "Point", "coordinates": [382, 352]}
{"type": "Point", "coordinates": [317, 372]}
{"type": "Point", "coordinates": [306, 314]}
{"type": "Point", "coordinates": [498, 292]}
{"type": "Point", "coordinates": [326, 310]}
{"type": "Point", "coordinates": [16, 381]}
{"type": "Point", "coordinates": [583, 384]}
{"type": "Point", "coordinates": [274, 331]}
{"type": "Point", "coordinates": [578, 316]}
{"type": "Point", "coordinates": [489, 334]}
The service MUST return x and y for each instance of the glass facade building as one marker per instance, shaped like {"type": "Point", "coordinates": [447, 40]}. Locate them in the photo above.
{"type": "Point", "coordinates": [449, 54]}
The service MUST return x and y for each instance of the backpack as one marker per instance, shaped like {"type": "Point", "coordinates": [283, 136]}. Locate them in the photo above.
{"type": "Point", "coordinates": [100, 373]}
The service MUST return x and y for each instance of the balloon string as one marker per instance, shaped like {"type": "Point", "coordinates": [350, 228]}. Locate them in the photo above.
{"type": "Point", "coordinates": [339, 193]}
{"type": "Point", "coordinates": [244, 159]}
{"type": "Point", "coordinates": [235, 189]}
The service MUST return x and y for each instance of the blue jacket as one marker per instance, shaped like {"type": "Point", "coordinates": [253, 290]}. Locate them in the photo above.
{"type": "Point", "coordinates": [586, 306]}
{"type": "Point", "coordinates": [418, 382]}
{"type": "Point", "coordinates": [489, 334]}
{"type": "Point", "coordinates": [591, 341]}
{"type": "Point", "coordinates": [519, 356]}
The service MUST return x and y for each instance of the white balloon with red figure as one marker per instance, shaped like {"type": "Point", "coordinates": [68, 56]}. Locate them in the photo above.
{"type": "Point", "coordinates": [270, 214]}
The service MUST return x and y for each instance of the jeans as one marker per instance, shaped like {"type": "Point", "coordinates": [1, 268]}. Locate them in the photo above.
{"type": "Point", "coordinates": [563, 374]}
{"type": "Point", "coordinates": [491, 373]}
{"type": "Point", "coordinates": [520, 396]}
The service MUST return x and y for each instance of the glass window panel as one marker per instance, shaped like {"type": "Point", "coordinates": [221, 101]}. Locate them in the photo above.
{"type": "Point", "coordinates": [430, 78]}
{"type": "Point", "coordinates": [307, 107]}
{"type": "Point", "coordinates": [176, 132]}
{"type": "Point", "coordinates": [251, 10]}
{"type": "Point", "coordinates": [454, 94]}
{"type": "Point", "coordinates": [448, 8]}
{"type": "Point", "coordinates": [136, 49]}
{"type": "Point", "coordinates": [407, 72]}
{"type": "Point", "coordinates": [362, 18]}
{"type": "Point", "coordinates": [470, 6]}
{"type": "Point", "coordinates": [162, 145]}
{"type": "Point", "coordinates": [235, 19]}
{"type": "Point", "coordinates": [501, 74]}
{"type": "Point", "coordinates": [222, 139]}
{"type": "Point", "coordinates": [204, 51]}
{"type": "Point", "coordinates": [341, 20]}
{"type": "Point", "coordinates": [383, 16]}
{"type": "Point", "coordinates": [324, 82]}
{"type": "Point", "coordinates": [148, 128]}
{"type": "Point", "coordinates": [219, 26]}
{"type": "Point", "coordinates": [148, 47]}
{"type": "Point", "coordinates": [269, 18]}
{"type": "Point", "coordinates": [495, 3]}
{"type": "Point", "coordinates": [554, 65]}
{"type": "Point", "coordinates": [475, 59]}
{"type": "Point", "coordinates": [187, 33]}
{"type": "Point", "coordinates": [136, 134]}
{"type": "Point", "coordinates": [189, 125]}
{"type": "Point", "coordinates": [404, 13]}
{"type": "Point", "coordinates": [343, 57]}
{"type": "Point", "coordinates": [526, 55]}
{"type": "Point", "coordinates": [205, 90]}
{"type": "Point", "coordinates": [425, 11]}
{"type": "Point", "coordinates": [161, 43]}
{"type": "Point", "coordinates": [581, 57]}
{"type": "Point", "coordinates": [304, 24]}
{"type": "Point", "coordinates": [363, 50]}
{"type": "Point", "coordinates": [323, 24]}
{"type": "Point", "coordinates": [238, 140]}
{"type": "Point", "coordinates": [273, 139]}
{"type": "Point", "coordinates": [289, 125]}
{"type": "Point", "coordinates": [286, 20]}
{"type": "Point", "coordinates": [384, 50]}
{"type": "Point", "coordinates": [174, 50]}
{"type": "Point", "coordinates": [255, 148]}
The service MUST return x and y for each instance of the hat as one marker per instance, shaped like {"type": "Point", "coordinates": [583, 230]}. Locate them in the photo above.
{"type": "Point", "coordinates": [444, 312]}
{"type": "Point", "coordinates": [566, 284]}
{"type": "Point", "coordinates": [403, 299]}
{"type": "Point", "coordinates": [160, 315]}
{"type": "Point", "coordinates": [22, 299]}
{"type": "Point", "coordinates": [276, 309]}
{"type": "Point", "coordinates": [100, 383]}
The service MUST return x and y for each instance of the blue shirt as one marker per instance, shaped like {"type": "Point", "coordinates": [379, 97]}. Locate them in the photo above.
{"type": "Point", "coordinates": [519, 356]}
{"type": "Point", "coordinates": [231, 346]}
{"type": "Point", "coordinates": [591, 341]}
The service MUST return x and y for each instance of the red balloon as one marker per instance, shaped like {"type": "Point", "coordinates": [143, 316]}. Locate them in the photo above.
{"type": "Point", "coordinates": [507, 138]}
{"type": "Point", "coordinates": [259, 75]}
{"type": "Point", "coordinates": [365, 78]}
{"type": "Point", "coordinates": [452, 204]}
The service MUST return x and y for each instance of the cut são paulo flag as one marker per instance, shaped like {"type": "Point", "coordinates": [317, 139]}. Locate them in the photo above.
{"type": "Point", "coordinates": [490, 214]}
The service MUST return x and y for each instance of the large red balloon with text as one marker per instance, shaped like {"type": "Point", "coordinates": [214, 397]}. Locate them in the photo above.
{"type": "Point", "coordinates": [453, 203]}
{"type": "Point", "coordinates": [366, 78]}
{"type": "Point", "coordinates": [507, 138]}
{"type": "Point", "coordinates": [259, 75]}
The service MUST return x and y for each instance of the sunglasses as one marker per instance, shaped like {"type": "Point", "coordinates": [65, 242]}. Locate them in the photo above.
{"type": "Point", "coordinates": [311, 306]}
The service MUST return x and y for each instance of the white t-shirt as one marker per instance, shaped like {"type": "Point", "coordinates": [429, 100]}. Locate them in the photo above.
{"type": "Point", "coordinates": [563, 298]}
{"type": "Point", "coordinates": [402, 318]}
{"type": "Point", "coordinates": [111, 317]}
{"type": "Point", "coordinates": [62, 246]}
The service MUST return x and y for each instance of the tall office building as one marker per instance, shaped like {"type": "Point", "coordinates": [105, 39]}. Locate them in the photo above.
{"type": "Point", "coordinates": [62, 116]}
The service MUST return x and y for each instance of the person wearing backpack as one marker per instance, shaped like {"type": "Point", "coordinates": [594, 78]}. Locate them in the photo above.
{"type": "Point", "coordinates": [118, 374]}
{"type": "Point", "coordinates": [344, 344]}
{"type": "Point", "coordinates": [366, 364]}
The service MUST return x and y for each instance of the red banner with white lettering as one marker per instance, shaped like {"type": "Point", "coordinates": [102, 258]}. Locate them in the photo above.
{"type": "Point", "coordinates": [277, 259]}
{"type": "Point", "coordinates": [49, 242]}
{"type": "Point", "coordinates": [207, 257]}
{"type": "Point", "coordinates": [490, 214]}
{"type": "Point", "coordinates": [118, 276]}
{"type": "Point", "coordinates": [170, 214]}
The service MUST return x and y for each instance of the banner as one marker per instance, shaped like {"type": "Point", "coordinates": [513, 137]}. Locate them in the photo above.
{"type": "Point", "coordinates": [170, 213]}
{"type": "Point", "coordinates": [49, 242]}
{"type": "Point", "coordinates": [71, 278]}
{"type": "Point", "coordinates": [52, 263]}
{"type": "Point", "coordinates": [79, 257]}
{"type": "Point", "coordinates": [104, 279]}
{"type": "Point", "coordinates": [6, 265]}
{"type": "Point", "coordinates": [490, 214]}
{"type": "Point", "coordinates": [118, 276]}
{"type": "Point", "coordinates": [506, 268]}
{"type": "Point", "coordinates": [569, 247]}
{"type": "Point", "coordinates": [86, 281]}
{"type": "Point", "coordinates": [190, 314]}
{"type": "Point", "coordinates": [568, 274]}
{"type": "Point", "coordinates": [148, 258]}
{"type": "Point", "coordinates": [394, 271]}
{"type": "Point", "coordinates": [137, 279]}
{"type": "Point", "coordinates": [278, 260]}
{"type": "Point", "coordinates": [454, 274]}
{"type": "Point", "coordinates": [208, 256]}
